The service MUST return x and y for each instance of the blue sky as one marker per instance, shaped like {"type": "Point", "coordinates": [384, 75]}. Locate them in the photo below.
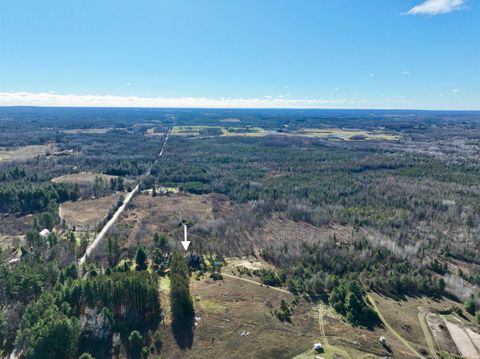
{"type": "Point", "coordinates": [241, 53]}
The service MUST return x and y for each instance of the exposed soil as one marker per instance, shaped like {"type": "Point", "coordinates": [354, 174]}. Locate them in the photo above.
{"type": "Point", "coordinates": [86, 214]}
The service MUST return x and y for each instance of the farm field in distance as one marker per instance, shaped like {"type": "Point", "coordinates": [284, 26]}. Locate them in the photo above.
{"type": "Point", "coordinates": [357, 231]}
{"type": "Point", "coordinates": [332, 133]}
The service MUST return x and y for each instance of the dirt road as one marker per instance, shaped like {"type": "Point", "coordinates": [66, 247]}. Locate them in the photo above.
{"type": "Point", "coordinates": [119, 211]}
{"type": "Point", "coordinates": [432, 347]}
{"type": "Point", "coordinates": [256, 283]}
{"type": "Point", "coordinates": [393, 331]}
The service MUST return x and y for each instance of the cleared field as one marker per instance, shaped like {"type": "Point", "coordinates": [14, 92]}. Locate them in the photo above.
{"type": "Point", "coordinates": [250, 263]}
{"type": "Point", "coordinates": [13, 229]}
{"type": "Point", "coordinates": [162, 190]}
{"type": "Point", "coordinates": [192, 131]}
{"type": "Point", "coordinates": [348, 341]}
{"type": "Point", "coordinates": [246, 132]}
{"type": "Point", "coordinates": [346, 134]}
{"type": "Point", "coordinates": [235, 320]}
{"type": "Point", "coordinates": [280, 229]}
{"type": "Point", "coordinates": [335, 134]}
{"type": "Point", "coordinates": [86, 214]}
{"type": "Point", "coordinates": [164, 214]}
{"type": "Point", "coordinates": [91, 131]}
{"type": "Point", "coordinates": [83, 178]}
{"type": "Point", "coordinates": [281, 232]}
{"type": "Point", "coordinates": [26, 152]}
{"type": "Point", "coordinates": [403, 317]}
{"type": "Point", "coordinates": [418, 321]}
{"type": "Point", "coordinates": [339, 338]}
{"type": "Point", "coordinates": [230, 120]}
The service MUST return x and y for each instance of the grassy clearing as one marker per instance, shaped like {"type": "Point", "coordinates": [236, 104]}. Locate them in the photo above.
{"type": "Point", "coordinates": [226, 309]}
{"type": "Point", "coordinates": [404, 341]}
{"type": "Point", "coordinates": [165, 284]}
{"type": "Point", "coordinates": [403, 316]}
{"type": "Point", "coordinates": [193, 130]}
{"type": "Point", "coordinates": [82, 178]}
{"type": "Point", "coordinates": [26, 152]}
{"type": "Point", "coordinates": [347, 135]}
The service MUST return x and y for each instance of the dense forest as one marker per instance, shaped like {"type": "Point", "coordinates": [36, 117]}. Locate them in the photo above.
{"type": "Point", "coordinates": [411, 207]}
{"type": "Point", "coordinates": [400, 195]}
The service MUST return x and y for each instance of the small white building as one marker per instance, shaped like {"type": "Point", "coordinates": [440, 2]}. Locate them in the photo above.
{"type": "Point", "coordinates": [383, 340]}
{"type": "Point", "coordinates": [318, 347]}
{"type": "Point", "coordinates": [44, 233]}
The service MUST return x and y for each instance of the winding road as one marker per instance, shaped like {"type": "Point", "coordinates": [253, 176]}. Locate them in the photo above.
{"type": "Point", "coordinates": [120, 209]}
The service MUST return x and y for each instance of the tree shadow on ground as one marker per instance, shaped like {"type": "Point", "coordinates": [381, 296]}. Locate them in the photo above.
{"type": "Point", "coordinates": [184, 331]}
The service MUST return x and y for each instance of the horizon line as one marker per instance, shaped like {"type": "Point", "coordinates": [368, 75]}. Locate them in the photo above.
{"type": "Point", "coordinates": [53, 99]}
{"type": "Point", "coordinates": [243, 108]}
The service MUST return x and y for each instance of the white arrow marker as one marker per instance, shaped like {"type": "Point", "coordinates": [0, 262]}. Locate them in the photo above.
{"type": "Point", "coordinates": [185, 243]}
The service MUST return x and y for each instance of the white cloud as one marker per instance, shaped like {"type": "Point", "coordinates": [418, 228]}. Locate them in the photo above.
{"type": "Point", "coordinates": [405, 73]}
{"type": "Point", "coordinates": [455, 90]}
{"type": "Point", "coordinates": [54, 99]}
{"type": "Point", "coordinates": [435, 7]}
{"type": "Point", "coordinates": [371, 75]}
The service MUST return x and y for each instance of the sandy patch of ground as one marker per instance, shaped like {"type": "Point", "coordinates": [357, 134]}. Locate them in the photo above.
{"type": "Point", "coordinates": [463, 341]}
{"type": "Point", "coordinates": [475, 338]}
{"type": "Point", "coordinates": [252, 263]}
